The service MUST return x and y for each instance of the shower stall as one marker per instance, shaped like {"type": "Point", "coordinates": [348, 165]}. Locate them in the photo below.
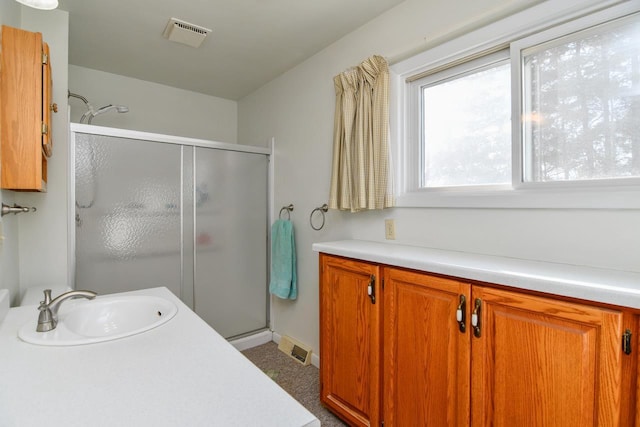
{"type": "Point", "coordinates": [191, 215]}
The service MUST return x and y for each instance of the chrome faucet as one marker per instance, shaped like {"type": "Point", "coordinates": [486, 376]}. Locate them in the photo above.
{"type": "Point", "coordinates": [48, 317]}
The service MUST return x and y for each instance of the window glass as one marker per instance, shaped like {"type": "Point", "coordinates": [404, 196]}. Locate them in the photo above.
{"type": "Point", "coordinates": [538, 110]}
{"type": "Point", "coordinates": [466, 132]}
{"type": "Point", "coordinates": [582, 105]}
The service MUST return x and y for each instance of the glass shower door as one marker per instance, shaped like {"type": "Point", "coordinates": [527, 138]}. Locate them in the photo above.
{"type": "Point", "coordinates": [128, 214]}
{"type": "Point", "coordinates": [231, 240]}
{"type": "Point", "coordinates": [190, 218]}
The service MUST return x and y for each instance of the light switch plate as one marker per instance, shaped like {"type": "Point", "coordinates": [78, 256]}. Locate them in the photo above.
{"type": "Point", "coordinates": [390, 229]}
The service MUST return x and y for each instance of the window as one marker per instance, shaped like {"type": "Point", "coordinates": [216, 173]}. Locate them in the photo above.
{"type": "Point", "coordinates": [544, 117]}
{"type": "Point", "coordinates": [466, 125]}
{"type": "Point", "coordinates": [582, 105]}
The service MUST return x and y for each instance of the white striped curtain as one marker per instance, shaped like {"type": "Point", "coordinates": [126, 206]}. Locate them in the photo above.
{"type": "Point", "coordinates": [360, 176]}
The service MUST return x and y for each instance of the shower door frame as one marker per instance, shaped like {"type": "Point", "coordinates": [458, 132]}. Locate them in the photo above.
{"type": "Point", "coordinates": [76, 128]}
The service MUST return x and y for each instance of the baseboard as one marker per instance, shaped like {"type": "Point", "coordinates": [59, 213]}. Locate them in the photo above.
{"type": "Point", "coordinates": [252, 340]}
{"type": "Point", "coordinates": [315, 359]}
{"type": "Point", "coordinates": [277, 337]}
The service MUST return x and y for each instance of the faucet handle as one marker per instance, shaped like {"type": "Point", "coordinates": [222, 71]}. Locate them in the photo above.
{"type": "Point", "coordinates": [46, 321]}
{"type": "Point", "coordinates": [47, 297]}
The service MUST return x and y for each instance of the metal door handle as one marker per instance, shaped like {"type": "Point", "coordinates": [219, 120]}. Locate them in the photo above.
{"type": "Point", "coordinates": [461, 315]}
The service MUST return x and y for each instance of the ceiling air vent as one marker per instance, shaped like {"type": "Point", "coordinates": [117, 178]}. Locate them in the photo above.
{"type": "Point", "coordinates": [184, 32]}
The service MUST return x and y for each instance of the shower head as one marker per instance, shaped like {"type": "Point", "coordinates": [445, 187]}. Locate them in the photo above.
{"type": "Point", "coordinates": [118, 108]}
{"type": "Point", "coordinates": [105, 109]}
{"type": "Point", "coordinates": [91, 113]}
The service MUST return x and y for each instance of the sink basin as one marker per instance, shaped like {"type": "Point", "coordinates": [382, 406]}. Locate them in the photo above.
{"type": "Point", "coordinates": [101, 319]}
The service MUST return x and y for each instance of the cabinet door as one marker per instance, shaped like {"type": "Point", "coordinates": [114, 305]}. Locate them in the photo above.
{"type": "Point", "coordinates": [24, 166]}
{"type": "Point", "coordinates": [542, 362]}
{"type": "Point", "coordinates": [350, 344]}
{"type": "Point", "coordinates": [427, 353]}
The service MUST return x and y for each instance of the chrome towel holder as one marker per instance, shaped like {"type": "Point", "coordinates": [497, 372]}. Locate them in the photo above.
{"type": "Point", "coordinates": [15, 209]}
{"type": "Point", "coordinates": [322, 209]}
{"type": "Point", "coordinates": [288, 210]}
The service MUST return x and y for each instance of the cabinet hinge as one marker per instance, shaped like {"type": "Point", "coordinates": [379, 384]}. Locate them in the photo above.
{"type": "Point", "coordinates": [626, 341]}
{"type": "Point", "coordinates": [45, 59]}
{"type": "Point", "coordinates": [45, 128]}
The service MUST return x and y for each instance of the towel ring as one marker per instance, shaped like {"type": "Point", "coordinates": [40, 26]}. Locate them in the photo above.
{"type": "Point", "coordinates": [322, 209]}
{"type": "Point", "coordinates": [288, 210]}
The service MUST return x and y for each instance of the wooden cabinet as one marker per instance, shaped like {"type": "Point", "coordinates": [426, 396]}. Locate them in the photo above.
{"type": "Point", "coordinates": [528, 360]}
{"type": "Point", "coordinates": [426, 356]}
{"type": "Point", "coordinates": [350, 340]}
{"type": "Point", "coordinates": [25, 110]}
{"type": "Point", "coordinates": [541, 362]}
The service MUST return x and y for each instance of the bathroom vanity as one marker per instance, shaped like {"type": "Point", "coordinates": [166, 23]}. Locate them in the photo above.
{"type": "Point", "coordinates": [181, 373]}
{"type": "Point", "coordinates": [419, 336]}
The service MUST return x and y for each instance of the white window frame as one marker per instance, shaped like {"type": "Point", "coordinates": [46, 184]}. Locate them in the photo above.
{"type": "Point", "coordinates": [569, 16]}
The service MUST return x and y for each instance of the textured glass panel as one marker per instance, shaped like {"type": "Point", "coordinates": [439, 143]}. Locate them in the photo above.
{"type": "Point", "coordinates": [127, 214]}
{"type": "Point", "coordinates": [467, 129]}
{"type": "Point", "coordinates": [231, 240]}
{"type": "Point", "coordinates": [582, 105]}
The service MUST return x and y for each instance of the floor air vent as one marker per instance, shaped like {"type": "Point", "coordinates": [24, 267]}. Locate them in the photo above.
{"type": "Point", "coordinates": [298, 351]}
{"type": "Point", "coordinates": [184, 32]}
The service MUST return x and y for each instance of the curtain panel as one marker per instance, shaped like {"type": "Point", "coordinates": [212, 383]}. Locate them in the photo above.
{"type": "Point", "coordinates": [360, 177]}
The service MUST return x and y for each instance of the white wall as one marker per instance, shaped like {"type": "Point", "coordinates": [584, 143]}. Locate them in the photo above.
{"type": "Point", "coordinates": [34, 248]}
{"type": "Point", "coordinates": [10, 12]}
{"type": "Point", "coordinates": [297, 109]}
{"type": "Point", "coordinates": [153, 107]}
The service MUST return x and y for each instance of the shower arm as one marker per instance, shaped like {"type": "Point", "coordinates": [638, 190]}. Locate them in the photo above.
{"type": "Point", "coordinates": [80, 97]}
{"type": "Point", "coordinates": [90, 111]}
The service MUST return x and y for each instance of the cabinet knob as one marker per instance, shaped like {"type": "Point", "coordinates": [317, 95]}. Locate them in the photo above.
{"type": "Point", "coordinates": [54, 107]}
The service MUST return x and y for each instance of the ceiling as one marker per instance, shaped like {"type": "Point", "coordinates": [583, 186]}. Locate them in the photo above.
{"type": "Point", "coordinates": [253, 41]}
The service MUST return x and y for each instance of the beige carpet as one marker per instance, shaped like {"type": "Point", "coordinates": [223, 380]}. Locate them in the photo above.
{"type": "Point", "coordinates": [299, 381]}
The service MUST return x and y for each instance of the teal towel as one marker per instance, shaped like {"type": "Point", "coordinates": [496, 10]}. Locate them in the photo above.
{"type": "Point", "coordinates": [283, 283]}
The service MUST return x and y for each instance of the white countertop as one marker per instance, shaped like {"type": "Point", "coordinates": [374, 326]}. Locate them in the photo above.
{"type": "Point", "coordinates": [594, 284]}
{"type": "Point", "coordinates": [181, 373]}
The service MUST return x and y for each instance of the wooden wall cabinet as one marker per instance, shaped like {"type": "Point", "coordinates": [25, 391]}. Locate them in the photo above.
{"type": "Point", "coordinates": [528, 361]}
{"type": "Point", "coordinates": [25, 110]}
